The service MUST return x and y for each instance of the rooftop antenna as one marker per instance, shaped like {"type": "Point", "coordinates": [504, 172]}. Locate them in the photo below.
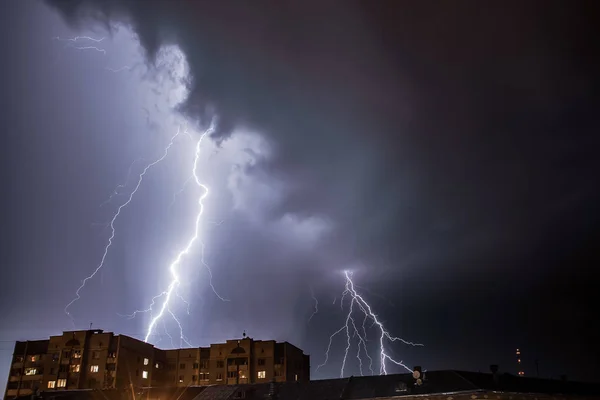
{"type": "Point", "coordinates": [91, 323]}
{"type": "Point", "coordinates": [244, 334]}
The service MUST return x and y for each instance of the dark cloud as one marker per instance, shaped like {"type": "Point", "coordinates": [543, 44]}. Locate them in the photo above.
{"type": "Point", "coordinates": [442, 139]}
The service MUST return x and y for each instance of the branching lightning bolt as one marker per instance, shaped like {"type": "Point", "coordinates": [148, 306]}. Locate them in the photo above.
{"type": "Point", "coordinates": [71, 41]}
{"type": "Point", "coordinates": [117, 190]}
{"type": "Point", "coordinates": [112, 222]}
{"type": "Point", "coordinates": [316, 310]}
{"type": "Point", "coordinates": [357, 302]}
{"type": "Point", "coordinates": [177, 193]}
{"type": "Point", "coordinates": [76, 38]}
{"type": "Point", "coordinates": [173, 286]}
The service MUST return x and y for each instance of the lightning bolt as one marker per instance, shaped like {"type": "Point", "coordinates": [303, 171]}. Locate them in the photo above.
{"type": "Point", "coordinates": [312, 294]}
{"type": "Point", "coordinates": [359, 304]}
{"type": "Point", "coordinates": [98, 49]}
{"type": "Point", "coordinates": [177, 193]}
{"type": "Point", "coordinates": [75, 39]}
{"type": "Point", "coordinates": [172, 288]}
{"type": "Point", "coordinates": [116, 192]}
{"type": "Point", "coordinates": [112, 222]}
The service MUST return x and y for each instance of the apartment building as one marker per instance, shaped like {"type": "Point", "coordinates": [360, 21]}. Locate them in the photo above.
{"type": "Point", "coordinates": [94, 359]}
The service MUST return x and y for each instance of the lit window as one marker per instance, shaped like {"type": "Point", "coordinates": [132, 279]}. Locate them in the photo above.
{"type": "Point", "coordinates": [157, 365]}
{"type": "Point", "coordinates": [145, 374]}
{"type": "Point", "coordinates": [30, 371]}
{"type": "Point", "coordinates": [219, 376]}
{"type": "Point", "coordinates": [51, 384]}
{"type": "Point", "coordinates": [61, 383]}
{"type": "Point", "coordinates": [75, 367]}
{"type": "Point", "coordinates": [146, 361]}
{"type": "Point", "coordinates": [262, 374]}
{"type": "Point", "coordinates": [76, 353]}
{"type": "Point", "coordinates": [33, 358]}
{"type": "Point", "coordinates": [94, 368]}
{"type": "Point", "coordinates": [296, 377]}
{"type": "Point", "coordinates": [181, 379]}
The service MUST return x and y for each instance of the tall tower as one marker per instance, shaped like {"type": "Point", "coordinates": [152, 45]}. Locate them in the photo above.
{"type": "Point", "coordinates": [519, 365]}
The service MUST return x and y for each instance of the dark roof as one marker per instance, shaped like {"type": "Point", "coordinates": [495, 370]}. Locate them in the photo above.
{"type": "Point", "coordinates": [364, 387]}
{"type": "Point", "coordinates": [219, 392]}
{"type": "Point", "coordinates": [512, 383]}
{"type": "Point", "coordinates": [354, 388]}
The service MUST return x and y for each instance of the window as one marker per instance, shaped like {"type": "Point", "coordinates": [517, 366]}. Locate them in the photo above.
{"type": "Point", "coordinates": [193, 378]}
{"type": "Point", "coordinates": [296, 377]}
{"type": "Point", "coordinates": [51, 384]}
{"type": "Point", "coordinates": [96, 355]}
{"type": "Point", "coordinates": [34, 358]}
{"type": "Point", "coordinates": [278, 372]}
{"type": "Point", "coordinates": [75, 367]}
{"type": "Point", "coordinates": [262, 374]}
{"type": "Point", "coordinates": [55, 357]}
{"type": "Point", "coordinates": [76, 353]}
{"type": "Point", "coordinates": [66, 354]}
{"type": "Point", "coordinates": [204, 364]}
{"type": "Point", "coordinates": [170, 367]}
{"type": "Point", "coordinates": [231, 374]}
{"type": "Point", "coordinates": [219, 376]}
{"type": "Point", "coordinates": [261, 361]}
{"type": "Point", "coordinates": [220, 364]}
{"type": "Point", "coordinates": [181, 366]}
{"type": "Point", "coordinates": [61, 383]}
{"type": "Point", "coordinates": [63, 368]}
{"type": "Point", "coordinates": [180, 378]}
{"type": "Point", "coordinates": [157, 365]}
{"type": "Point", "coordinates": [94, 368]}
{"type": "Point", "coordinates": [195, 366]}
{"type": "Point", "coordinates": [30, 371]}
{"type": "Point", "coordinates": [204, 376]}
{"type": "Point", "coordinates": [18, 359]}
{"type": "Point", "coordinates": [146, 361]}
{"type": "Point", "coordinates": [145, 374]}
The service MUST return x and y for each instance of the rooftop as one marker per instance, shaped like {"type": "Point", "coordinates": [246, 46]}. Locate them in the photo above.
{"type": "Point", "coordinates": [353, 388]}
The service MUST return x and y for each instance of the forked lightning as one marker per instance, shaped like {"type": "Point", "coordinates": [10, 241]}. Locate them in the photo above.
{"type": "Point", "coordinates": [112, 222]}
{"type": "Point", "coordinates": [358, 303]}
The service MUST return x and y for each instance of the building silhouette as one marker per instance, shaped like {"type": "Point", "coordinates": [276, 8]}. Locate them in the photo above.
{"type": "Point", "coordinates": [94, 359]}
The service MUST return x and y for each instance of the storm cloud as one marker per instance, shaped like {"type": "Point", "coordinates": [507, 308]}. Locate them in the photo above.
{"type": "Point", "coordinates": [430, 142]}
{"type": "Point", "coordinates": [422, 130]}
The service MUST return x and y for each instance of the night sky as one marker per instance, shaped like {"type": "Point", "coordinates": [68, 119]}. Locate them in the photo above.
{"type": "Point", "coordinates": [445, 152]}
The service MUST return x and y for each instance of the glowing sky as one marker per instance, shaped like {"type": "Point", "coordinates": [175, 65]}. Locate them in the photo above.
{"type": "Point", "coordinates": [445, 160]}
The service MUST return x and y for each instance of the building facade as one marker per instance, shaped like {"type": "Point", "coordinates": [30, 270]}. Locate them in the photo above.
{"type": "Point", "coordinates": [94, 359]}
